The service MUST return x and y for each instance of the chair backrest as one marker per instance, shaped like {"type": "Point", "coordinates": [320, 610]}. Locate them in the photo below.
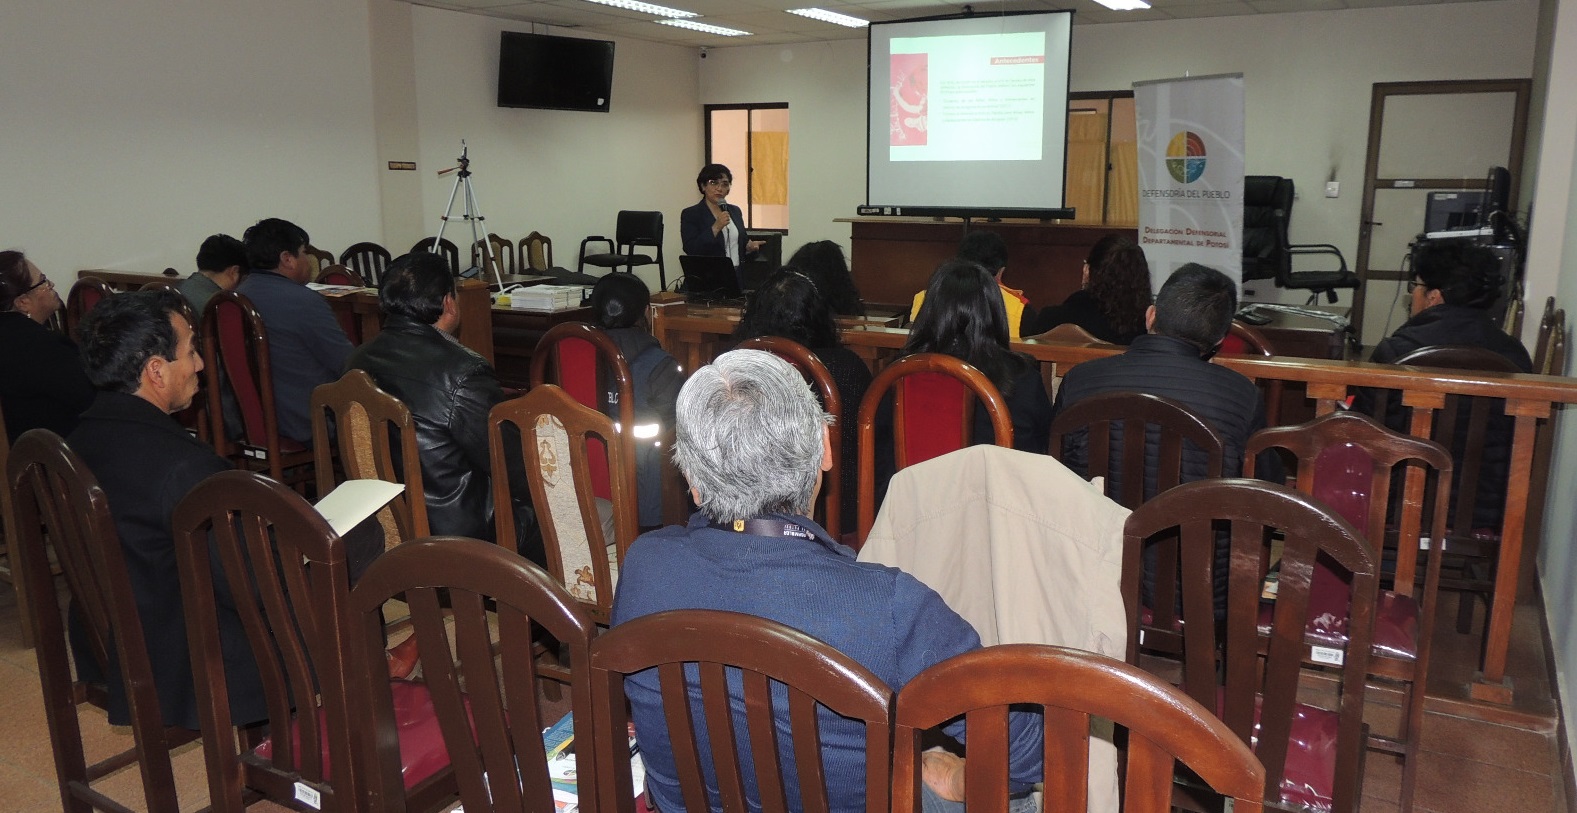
{"type": "Point", "coordinates": [817, 375]}
{"type": "Point", "coordinates": [1164, 726]}
{"type": "Point", "coordinates": [285, 570]}
{"type": "Point", "coordinates": [1267, 206]}
{"type": "Point", "coordinates": [376, 438]}
{"type": "Point", "coordinates": [555, 434]}
{"type": "Point", "coordinates": [1259, 695]}
{"type": "Point", "coordinates": [369, 260]}
{"type": "Point", "coordinates": [235, 347]}
{"type": "Point", "coordinates": [1552, 347]}
{"type": "Point", "coordinates": [84, 294]}
{"type": "Point", "coordinates": [536, 252]}
{"type": "Point", "coordinates": [493, 728]}
{"type": "Point", "coordinates": [1478, 486]}
{"type": "Point", "coordinates": [54, 497]}
{"type": "Point", "coordinates": [503, 252]}
{"type": "Point", "coordinates": [444, 248]}
{"type": "Point", "coordinates": [1511, 320]}
{"type": "Point", "coordinates": [337, 274]}
{"type": "Point", "coordinates": [1246, 340]}
{"type": "Point", "coordinates": [1121, 427]}
{"type": "Point", "coordinates": [639, 229]}
{"type": "Point", "coordinates": [1068, 332]}
{"type": "Point", "coordinates": [577, 356]}
{"type": "Point", "coordinates": [933, 413]}
{"type": "Point", "coordinates": [1546, 325]}
{"type": "Point", "coordinates": [767, 655]}
{"type": "Point", "coordinates": [184, 306]}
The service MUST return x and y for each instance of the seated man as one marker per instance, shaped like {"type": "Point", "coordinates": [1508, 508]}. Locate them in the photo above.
{"type": "Point", "coordinates": [220, 263]}
{"type": "Point", "coordinates": [137, 349]}
{"type": "Point", "coordinates": [782, 566]}
{"type": "Point", "coordinates": [1191, 315]}
{"type": "Point", "coordinates": [990, 250]}
{"type": "Point", "coordinates": [306, 344]}
{"type": "Point", "coordinates": [449, 390]}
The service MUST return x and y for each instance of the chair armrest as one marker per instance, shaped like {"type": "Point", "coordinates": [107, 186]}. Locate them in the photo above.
{"type": "Point", "coordinates": [1320, 248]}
{"type": "Point", "coordinates": [595, 238]}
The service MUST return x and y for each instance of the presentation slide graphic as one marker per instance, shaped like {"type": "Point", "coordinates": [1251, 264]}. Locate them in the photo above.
{"type": "Point", "coordinates": [978, 97]}
{"type": "Point", "coordinates": [909, 92]}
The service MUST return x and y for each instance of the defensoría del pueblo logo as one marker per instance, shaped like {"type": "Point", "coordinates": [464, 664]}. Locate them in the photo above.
{"type": "Point", "coordinates": [1185, 157]}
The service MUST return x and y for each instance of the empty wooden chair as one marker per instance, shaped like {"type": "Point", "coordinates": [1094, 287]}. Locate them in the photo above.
{"type": "Point", "coordinates": [776, 664]}
{"type": "Point", "coordinates": [84, 294]}
{"type": "Point", "coordinates": [375, 437]}
{"type": "Point", "coordinates": [56, 498]}
{"type": "Point", "coordinates": [1394, 487]}
{"type": "Point", "coordinates": [235, 352]}
{"type": "Point", "coordinates": [370, 261]}
{"type": "Point", "coordinates": [536, 255]}
{"type": "Point", "coordinates": [817, 375]}
{"type": "Point", "coordinates": [1248, 673]}
{"type": "Point", "coordinates": [556, 436]}
{"type": "Point", "coordinates": [1164, 727]}
{"type": "Point", "coordinates": [285, 570]}
{"type": "Point", "coordinates": [503, 253]}
{"type": "Point", "coordinates": [494, 728]}
{"type": "Point", "coordinates": [933, 413]}
{"type": "Point", "coordinates": [443, 248]}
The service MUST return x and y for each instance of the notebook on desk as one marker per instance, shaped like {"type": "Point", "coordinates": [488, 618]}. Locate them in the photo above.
{"type": "Point", "coordinates": [710, 278]}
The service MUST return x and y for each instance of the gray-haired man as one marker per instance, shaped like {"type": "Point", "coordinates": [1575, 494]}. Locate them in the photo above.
{"type": "Point", "coordinates": [753, 442]}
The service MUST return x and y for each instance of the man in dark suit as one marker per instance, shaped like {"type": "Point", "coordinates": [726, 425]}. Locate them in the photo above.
{"type": "Point", "coordinates": [714, 227]}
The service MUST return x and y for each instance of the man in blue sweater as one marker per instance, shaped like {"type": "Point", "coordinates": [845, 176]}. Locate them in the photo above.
{"type": "Point", "coordinates": [753, 442]}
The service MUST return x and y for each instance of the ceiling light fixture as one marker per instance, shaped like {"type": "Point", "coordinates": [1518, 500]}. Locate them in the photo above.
{"type": "Point", "coordinates": [646, 8]}
{"type": "Point", "coordinates": [1124, 5]}
{"type": "Point", "coordinates": [830, 17]}
{"type": "Point", "coordinates": [704, 28]}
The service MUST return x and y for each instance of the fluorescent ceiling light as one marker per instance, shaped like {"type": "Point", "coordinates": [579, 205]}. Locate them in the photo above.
{"type": "Point", "coordinates": [646, 8]}
{"type": "Point", "coordinates": [704, 28]}
{"type": "Point", "coordinates": [830, 17]}
{"type": "Point", "coordinates": [1124, 5]}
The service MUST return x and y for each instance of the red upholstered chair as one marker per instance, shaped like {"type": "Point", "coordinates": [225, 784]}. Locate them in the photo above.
{"type": "Point", "coordinates": [934, 399]}
{"type": "Point", "coordinates": [235, 351]}
{"type": "Point", "coordinates": [817, 375]}
{"type": "Point", "coordinates": [444, 248]}
{"type": "Point", "coordinates": [1163, 726]}
{"type": "Point", "coordinates": [771, 664]}
{"type": "Point", "coordinates": [370, 261]}
{"type": "Point", "coordinates": [1245, 340]}
{"type": "Point", "coordinates": [494, 727]}
{"type": "Point", "coordinates": [56, 498]}
{"type": "Point", "coordinates": [1361, 470]}
{"type": "Point", "coordinates": [286, 571]}
{"type": "Point", "coordinates": [341, 275]}
{"type": "Point", "coordinates": [84, 294]}
{"type": "Point", "coordinates": [1313, 754]}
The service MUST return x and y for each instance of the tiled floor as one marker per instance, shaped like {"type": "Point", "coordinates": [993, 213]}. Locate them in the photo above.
{"type": "Point", "coordinates": [1469, 765]}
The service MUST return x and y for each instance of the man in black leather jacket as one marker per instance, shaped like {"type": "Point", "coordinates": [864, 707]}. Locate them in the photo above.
{"type": "Point", "coordinates": [449, 390]}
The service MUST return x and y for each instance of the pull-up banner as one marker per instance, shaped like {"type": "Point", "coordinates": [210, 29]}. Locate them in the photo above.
{"type": "Point", "coordinates": [1191, 174]}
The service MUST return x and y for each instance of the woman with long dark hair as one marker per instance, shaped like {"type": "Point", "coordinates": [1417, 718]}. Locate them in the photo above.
{"type": "Point", "coordinates": [1114, 297]}
{"type": "Point", "coordinates": [824, 263]}
{"type": "Point", "coordinates": [790, 304]}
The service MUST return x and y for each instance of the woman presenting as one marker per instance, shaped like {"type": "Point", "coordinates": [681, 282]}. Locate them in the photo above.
{"type": "Point", "coordinates": [714, 227]}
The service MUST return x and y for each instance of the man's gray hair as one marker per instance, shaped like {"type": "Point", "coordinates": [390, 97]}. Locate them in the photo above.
{"type": "Point", "coordinates": [749, 436]}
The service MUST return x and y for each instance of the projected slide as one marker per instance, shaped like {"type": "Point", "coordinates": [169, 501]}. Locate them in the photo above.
{"type": "Point", "coordinates": [979, 97]}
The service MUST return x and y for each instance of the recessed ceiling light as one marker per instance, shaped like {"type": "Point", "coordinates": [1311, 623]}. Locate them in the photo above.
{"type": "Point", "coordinates": [830, 17]}
{"type": "Point", "coordinates": [1124, 5]}
{"type": "Point", "coordinates": [646, 8]}
{"type": "Point", "coordinates": [704, 28]}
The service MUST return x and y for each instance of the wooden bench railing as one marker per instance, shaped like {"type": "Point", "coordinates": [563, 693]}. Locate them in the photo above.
{"type": "Point", "coordinates": [696, 338]}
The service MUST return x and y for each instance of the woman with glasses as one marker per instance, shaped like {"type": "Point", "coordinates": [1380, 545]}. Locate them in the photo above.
{"type": "Point", "coordinates": [41, 380]}
{"type": "Point", "coordinates": [714, 227]}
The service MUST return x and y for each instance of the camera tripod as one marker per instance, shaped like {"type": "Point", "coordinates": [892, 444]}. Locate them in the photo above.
{"type": "Point", "coordinates": [472, 215]}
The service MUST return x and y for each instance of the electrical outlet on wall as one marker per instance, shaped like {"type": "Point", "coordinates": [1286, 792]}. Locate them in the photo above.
{"type": "Point", "coordinates": [1332, 188]}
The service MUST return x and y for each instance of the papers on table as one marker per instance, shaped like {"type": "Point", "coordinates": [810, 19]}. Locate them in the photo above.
{"type": "Point", "coordinates": [355, 500]}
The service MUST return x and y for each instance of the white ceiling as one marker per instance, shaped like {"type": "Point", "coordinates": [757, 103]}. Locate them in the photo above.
{"type": "Point", "coordinates": [768, 22]}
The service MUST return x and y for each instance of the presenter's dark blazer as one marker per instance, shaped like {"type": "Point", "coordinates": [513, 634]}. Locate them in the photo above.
{"type": "Point", "coordinates": [695, 230]}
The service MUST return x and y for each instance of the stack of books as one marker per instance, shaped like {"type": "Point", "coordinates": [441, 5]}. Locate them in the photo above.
{"type": "Point", "coordinates": [546, 297]}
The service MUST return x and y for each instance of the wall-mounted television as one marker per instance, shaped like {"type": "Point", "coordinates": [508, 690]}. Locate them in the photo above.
{"type": "Point", "coordinates": [554, 73]}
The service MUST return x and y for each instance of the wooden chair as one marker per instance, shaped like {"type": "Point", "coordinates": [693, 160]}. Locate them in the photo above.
{"type": "Point", "coordinates": [1479, 490]}
{"type": "Point", "coordinates": [286, 572]}
{"type": "Point", "coordinates": [336, 274]}
{"type": "Point", "coordinates": [1246, 340]}
{"type": "Point", "coordinates": [1549, 359]}
{"type": "Point", "coordinates": [1351, 463]}
{"type": "Point", "coordinates": [933, 408]}
{"type": "Point", "coordinates": [493, 728]}
{"type": "Point", "coordinates": [370, 261]}
{"type": "Point", "coordinates": [1259, 695]}
{"type": "Point", "coordinates": [817, 375]}
{"type": "Point", "coordinates": [84, 294]}
{"type": "Point", "coordinates": [375, 436]}
{"type": "Point", "coordinates": [1164, 726]}
{"type": "Point", "coordinates": [56, 498]}
{"type": "Point", "coordinates": [235, 352]}
{"type": "Point", "coordinates": [323, 258]}
{"type": "Point", "coordinates": [11, 569]}
{"type": "Point", "coordinates": [503, 254]}
{"type": "Point", "coordinates": [767, 655]}
{"type": "Point", "coordinates": [556, 435]}
{"type": "Point", "coordinates": [1546, 327]}
{"type": "Point", "coordinates": [536, 253]}
{"type": "Point", "coordinates": [444, 248]}
{"type": "Point", "coordinates": [1511, 320]}
{"type": "Point", "coordinates": [633, 230]}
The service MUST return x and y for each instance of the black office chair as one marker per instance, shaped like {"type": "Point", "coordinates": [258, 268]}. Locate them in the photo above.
{"type": "Point", "coordinates": [634, 229]}
{"type": "Point", "coordinates": [1267, 252]}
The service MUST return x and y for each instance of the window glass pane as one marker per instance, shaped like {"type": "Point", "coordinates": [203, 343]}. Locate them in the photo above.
{"type": "Point", "coordinates": [769, 156]}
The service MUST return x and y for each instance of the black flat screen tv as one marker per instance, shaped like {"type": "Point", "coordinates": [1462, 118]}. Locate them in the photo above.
{"type": "Point", "coordinates": [554, 73]}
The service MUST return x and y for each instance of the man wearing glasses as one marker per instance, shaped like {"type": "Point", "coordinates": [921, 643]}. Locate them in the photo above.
{"type": "Point", "coordinates": [714, 227]}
